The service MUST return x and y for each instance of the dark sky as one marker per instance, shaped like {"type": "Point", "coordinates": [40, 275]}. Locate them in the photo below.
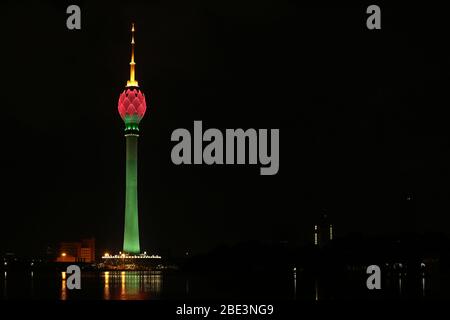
{"type": "Point", "coordinates": [363, 118]}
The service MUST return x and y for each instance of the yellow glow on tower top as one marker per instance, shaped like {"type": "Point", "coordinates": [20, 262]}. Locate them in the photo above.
{"type": "Point", "coordinates": [132, 82]}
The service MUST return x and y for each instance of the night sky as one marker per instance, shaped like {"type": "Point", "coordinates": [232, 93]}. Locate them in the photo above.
{"type": "Point", "coordinates": [363, 118]}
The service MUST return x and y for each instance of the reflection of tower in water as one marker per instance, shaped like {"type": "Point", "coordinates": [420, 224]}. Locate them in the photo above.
{"type": "Point", "coordinates": [63, 286]}
{"type": "Point", "coordinates": [132, 285]}
{"type": "Point", "coordinates": [122, 284]}
{"type": "Point", "coordinates": [106, 294]}
{"type": "Point", "coordinates": [5, 286]}
{"type": "Point", "coordinates": [153, 282]}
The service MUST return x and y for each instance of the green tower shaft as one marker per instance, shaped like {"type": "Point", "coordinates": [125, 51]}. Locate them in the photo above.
{"type": "Point", "coordinates": [131, 233]}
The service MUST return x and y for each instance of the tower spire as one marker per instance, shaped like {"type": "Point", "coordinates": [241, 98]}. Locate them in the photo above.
{"type": "Point", "coordinates": [132, 82]}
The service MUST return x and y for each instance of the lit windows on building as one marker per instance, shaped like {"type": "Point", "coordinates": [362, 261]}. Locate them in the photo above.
{"type": "Point", "coordinates": [323, 233]}
{"type": "Point", "coordinates": [316, 238]}
{"type": "Point", "coordinates": [77, 251]}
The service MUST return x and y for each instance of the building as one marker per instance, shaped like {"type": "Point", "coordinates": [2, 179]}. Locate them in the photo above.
{"type": "Point", "coordinates": [323, 231]}
{"type": "Point", "coordinates": [87, 252]}
{"type": "Point", "coordinates": [132, 107]}
{"type": "Point", "coordinates": [77, 251]}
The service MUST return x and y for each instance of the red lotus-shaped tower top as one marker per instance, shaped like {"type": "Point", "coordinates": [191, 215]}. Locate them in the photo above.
{"type": "Point", "coordinates": [132, 105]}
